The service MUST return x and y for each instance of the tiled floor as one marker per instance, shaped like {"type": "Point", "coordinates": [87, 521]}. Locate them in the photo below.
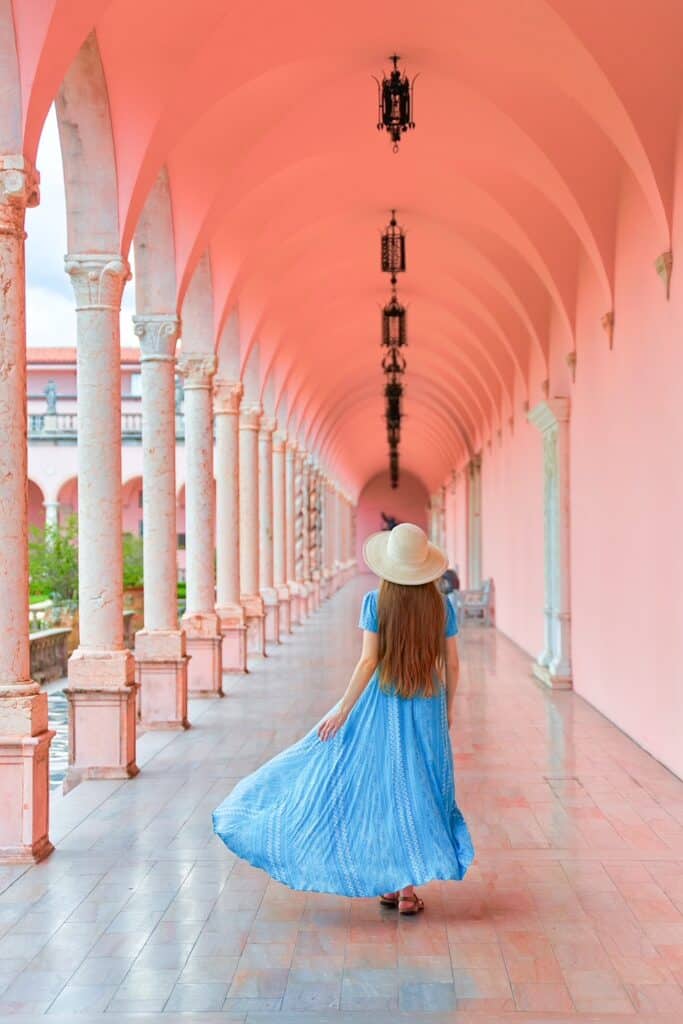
{"type": "Point", "coordinates": [572, 911]}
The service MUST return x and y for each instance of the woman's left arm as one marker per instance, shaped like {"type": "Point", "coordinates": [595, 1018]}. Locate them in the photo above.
{"type": "Point", "coordinates": [362, 673]}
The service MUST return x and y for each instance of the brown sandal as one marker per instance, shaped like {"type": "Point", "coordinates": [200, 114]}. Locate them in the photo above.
{"type": "Point", "coordinates": [414, 899]}
{"type": "Point", "coordinates": [389, 899]}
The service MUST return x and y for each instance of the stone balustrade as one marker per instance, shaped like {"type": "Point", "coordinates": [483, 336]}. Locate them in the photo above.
{"type": "Point", "coordinates": [52, 426]}
{"type": "Point", "coordinates": [49, 653]}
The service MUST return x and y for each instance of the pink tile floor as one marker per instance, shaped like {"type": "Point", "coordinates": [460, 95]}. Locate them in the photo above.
{"type": "Point", "coordinates": [573, 910]}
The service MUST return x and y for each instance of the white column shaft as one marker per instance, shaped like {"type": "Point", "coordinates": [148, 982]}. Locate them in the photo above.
{"type": "Point", "coordinates": [290, 497]}
{"type": "Point", "coordinates": [280, 553]}
{"type": "Point", "coordinates": [226, 406]}
{"type": "Point", "coordinates": [250, 417]}
{"type": "Point", "coordinates": [199, 483]}
{"type": "Point", "coordinates": [98, 282]}
{"type": "Point", "coordinates": [158, 336]}
{"type": "Point", "coordinates": [265, 504]}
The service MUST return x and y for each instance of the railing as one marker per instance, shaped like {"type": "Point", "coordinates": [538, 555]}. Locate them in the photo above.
{"type": "Point", "coordinates": [49, 653]}
{"type": "Point", "coordinates": [49, 426]}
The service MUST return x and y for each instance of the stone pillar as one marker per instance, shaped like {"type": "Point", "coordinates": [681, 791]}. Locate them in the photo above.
{"type": "Point", "coordinates": [280, 576]}
{"type": "Point", "coordinates": [265, 519]}
{"type": "Point", "coordinates": [339, 538]}
{"type": "Point", "coordinates": [51, 513]}
{"type": "Point", "coordinates": [101, 691]}
{"type": "Point", "coordinates": [303, 551]}
{"type": "Point", "coordinates": [200, 621]}
{"type": "Point", "coordinates": [252, 602]}
{"type": "Point", "coordinates": [160, 655]}
{"type": "Point", "coordinates": [227, 397]}
{"type": "Point", "coordinates": [474, 523]}
{"type": "Point", "coordinates": [24, 735]}
{"type": "Point", "coordinates": [291, 528]}
{"type": "Point", "coordinates": [554, 666]}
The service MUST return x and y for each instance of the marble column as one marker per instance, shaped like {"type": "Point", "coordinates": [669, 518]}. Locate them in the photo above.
{"type": "Point", "coordinates": [265, 519]}
{"type": "Point", "coordinates": [226, 405]}
{"type": "Point", "coordinates": [51, 513]}
{"type": "Point", "coordinates": [24, 734]}
{"type": "Point", "coordinates": [280, 576]}
{"type": "Point", "coordinates": [303, 567]}
{"type": "Point", "coordinates": [291, 529]}
{"type": "Point", "coordinates": [339, 538]}
{"type": "Point", "coordinates": [101, 691]}
{"type": "Point", "coordinates": [474, 523]}
{"type": "Point", "coordinates": [200, 622]}
{"type": "Point", "coordinates": [554, 664]}
{"type": "Point", "coordinates": [252, 602]}
{"type": "Point", "coordinates": [160, 654]}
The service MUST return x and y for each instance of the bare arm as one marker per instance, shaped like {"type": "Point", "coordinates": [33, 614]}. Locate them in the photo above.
{"type": "Point", "coordinates": [452, 674]}
{"type": "Point", "coordinates": [360, 677]}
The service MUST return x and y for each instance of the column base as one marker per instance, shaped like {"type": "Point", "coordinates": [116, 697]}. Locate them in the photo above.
{"type": "Point", "coordinates": [284, 603]}
{"type": "Point", "coordinates": [294, 604]}
{"type": "Point", "coordinates": [255, 618]}
{"type": "Point", "coordinates": [234, 633]}
{"type": "Point", "coordinates": [203, 642]}
{"type": "Point", "coordinates": [316, 590]}
{"type": "Point", "coordinates": [161, 667]}
{"type": "Point", "coordinates": [24, 776]}
{"type": "Point", "coordinates": [271, 607]}
{"type": "Point", "coordinates": [551, 679]}
{"type": "Point", "coordinates": [102, 716]}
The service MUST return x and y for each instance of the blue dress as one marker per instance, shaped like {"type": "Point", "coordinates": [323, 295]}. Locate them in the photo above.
{"type": "Point", "coordinates": [370, 810]}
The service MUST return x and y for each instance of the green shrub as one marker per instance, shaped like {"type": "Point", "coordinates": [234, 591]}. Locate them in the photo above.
{"type": "Point", "coordinates": [53, 561]}
{"type": "Point", "coordinates": [133, 575]}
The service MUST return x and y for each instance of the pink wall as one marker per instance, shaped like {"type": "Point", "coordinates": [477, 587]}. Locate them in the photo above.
{"type": "Point", "coordinates": [626, 435]}
{"type": "Point", "coordinates": [408, 503]}
{"type": "Point", "coordinates": [512, 531]}
{"type": "Point", "coordinates": [36, 509]}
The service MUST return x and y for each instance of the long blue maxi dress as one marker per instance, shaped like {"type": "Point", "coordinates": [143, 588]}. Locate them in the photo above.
{"type": "Point", "coordinates": [369, 811]}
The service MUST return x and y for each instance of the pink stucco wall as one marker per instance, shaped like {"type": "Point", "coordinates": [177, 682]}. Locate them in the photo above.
{"type": "Point", "coordinates": [626, 434]}
{"type": "Point", "coordinates": [408, 503]}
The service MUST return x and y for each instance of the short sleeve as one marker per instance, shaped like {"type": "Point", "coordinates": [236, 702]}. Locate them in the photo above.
{"type": "Point", "coordinates": [368, 612]}
{"type": "Point", "coordinates": [452, 628]}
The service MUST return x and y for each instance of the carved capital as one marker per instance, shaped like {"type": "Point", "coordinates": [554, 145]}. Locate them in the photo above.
{"type": "Point", "coordinates": [227, 395]}
{"type": "Point", "coordinates": [197, 370]}
{"type": "Point", "coordinates": [280, 442]}
{"type": "Point", "coordinates": [158, 334]}
{"type": "Point", "coordinates": [664, 266]}
{"type": "Point", "coordinates": [547, 415]}
{"type": "Point", "coordinates": [267, 428]}
{"type": "Point", "coordinates": [250, 415]}
{"type": "Point", "coordinates": [607, 322]}
{"type": "Point", "coordinates": [475, 463]}
{"type": "Point", "coordinates": [18, 189]}
{"type": "Point", "coordinates": [98, 279]}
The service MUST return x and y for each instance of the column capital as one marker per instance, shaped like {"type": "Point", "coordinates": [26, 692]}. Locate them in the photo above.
{"type": "Point", "coordinates": [280, 443]}
{"type": "Point", "coordinates": [227, 395]}
{"type": "Point", "coordinates": [267, 427]}
{"type": "Point", "coordinates": [98, 279]}
{"type": "Point", "coordinates": [197, 370]}
{"type": "Point", "coordinates": [158, 334]}
{"type": "Point", "coordinates": [250, 415]}
{"type": "Point", "coordinates": [475, 462]}
{"type": "Point", "coordinates": [549, 413]}
{"type": "Point", "coordinates": [18, 189]}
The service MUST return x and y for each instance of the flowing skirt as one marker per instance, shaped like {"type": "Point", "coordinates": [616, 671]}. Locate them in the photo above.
{"type": "Point", "coordinates": [369, 811]}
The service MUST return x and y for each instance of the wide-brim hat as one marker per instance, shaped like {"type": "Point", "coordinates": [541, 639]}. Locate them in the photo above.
{"type": "Point", "coordinates": [404, 555]}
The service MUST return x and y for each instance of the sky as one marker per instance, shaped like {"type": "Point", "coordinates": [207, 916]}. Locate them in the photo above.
{"type": "Point", "coordinates": [50, 316]}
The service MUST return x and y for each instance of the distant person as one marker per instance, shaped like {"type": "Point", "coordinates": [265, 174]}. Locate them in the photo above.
{"type": "Point", "coordinates": [389, 521]}
{"type": "Point", "coordinates": [364, 804]}
{"type": "Point", "coordinates": [449, 582]}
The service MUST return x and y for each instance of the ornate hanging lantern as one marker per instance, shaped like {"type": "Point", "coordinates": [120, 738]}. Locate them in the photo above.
{"type": "Point", "coordinates": [395, 101]}
{"type": "Point", "coordinates": [393, 468]}
{"type": "Point", "coordinates": [393, 248]}
{"type": "Point", "coordinates": [393, 321]}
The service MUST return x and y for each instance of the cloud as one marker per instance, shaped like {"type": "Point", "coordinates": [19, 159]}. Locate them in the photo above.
{"type": "Point", "coordinates": [50, 316]}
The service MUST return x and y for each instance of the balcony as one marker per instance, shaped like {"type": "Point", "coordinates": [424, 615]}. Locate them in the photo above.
{"type": "Point", "coordinates": [63, 427]}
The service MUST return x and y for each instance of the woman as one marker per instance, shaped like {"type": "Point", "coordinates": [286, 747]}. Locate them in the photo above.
{"type": "Point", "coordinates": [364, 803]}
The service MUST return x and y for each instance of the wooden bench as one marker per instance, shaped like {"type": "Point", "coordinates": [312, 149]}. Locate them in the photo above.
{"type": "Point", "coordinates": [477, 604]}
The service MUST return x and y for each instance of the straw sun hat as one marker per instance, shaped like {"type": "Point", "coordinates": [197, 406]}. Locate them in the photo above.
{"type": "Point", "coordinates": [404, 555]}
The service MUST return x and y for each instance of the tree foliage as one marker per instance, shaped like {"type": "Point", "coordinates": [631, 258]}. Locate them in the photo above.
{"type": "Point", "coordinates": [132, 561]}
{"type": "Point", "coordinates": [53, 561]}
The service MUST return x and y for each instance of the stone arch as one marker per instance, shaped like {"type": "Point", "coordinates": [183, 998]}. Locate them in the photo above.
{"type": "Point", "coordinates": [154, 248]}
{"type": "Point", "coordinates": [67, 496]}
{"type": "Point", "coordinates": [88, 155]}
{"type": "Point", "coordinates": [131, 502]}
{"type": "Point", "coordinates": [36, 505]}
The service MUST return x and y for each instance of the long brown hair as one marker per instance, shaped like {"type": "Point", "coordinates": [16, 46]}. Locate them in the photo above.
{"type": "Point", "coordinates": [412, 621]}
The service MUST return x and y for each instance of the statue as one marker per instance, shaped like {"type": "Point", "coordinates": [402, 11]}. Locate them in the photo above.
{"type": "Point", "coordinates": [51, 397]}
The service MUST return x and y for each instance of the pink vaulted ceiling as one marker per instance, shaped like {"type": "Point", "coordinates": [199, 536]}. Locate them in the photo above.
{"type": "Point", "coordinates": [529, 114]}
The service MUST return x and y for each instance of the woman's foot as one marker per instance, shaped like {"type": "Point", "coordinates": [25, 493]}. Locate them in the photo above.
{"type": "Point", "coordinates": [409, 902]}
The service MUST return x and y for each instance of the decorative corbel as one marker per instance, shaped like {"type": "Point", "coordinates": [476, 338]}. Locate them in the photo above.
{"type": "Point", "coordinates": [664, 265]}
{"type": "Point", "coordinates": [571, 363]}
{"type": "Point", "coordinates": [545, 387]}
{"type": "Point", "coordinates": [608, 326]}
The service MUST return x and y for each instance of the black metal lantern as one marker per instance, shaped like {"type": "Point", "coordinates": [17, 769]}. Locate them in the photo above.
{"type": "Point", "coordinates": [395, 100]}
{"type": "Point", "coordinates": [393, 248]}
{"type": "Point", "coordinates": [393, 363]}
{"type": "Point", "coordinates": [394, 321]}
{"type": "Point", "coordinates": [393, 392]}
{"type": "Point", "coordinates": [393, 468]}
